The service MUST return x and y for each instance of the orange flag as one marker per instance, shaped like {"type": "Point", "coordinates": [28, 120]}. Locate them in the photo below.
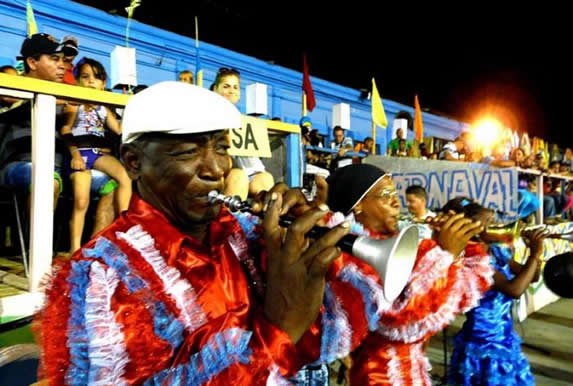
{"type": "Point", "coordinates": [418, 125]}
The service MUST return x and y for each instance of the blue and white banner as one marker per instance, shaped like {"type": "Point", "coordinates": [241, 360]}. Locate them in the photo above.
{"type": "Point", "coordinates": [494, 188]}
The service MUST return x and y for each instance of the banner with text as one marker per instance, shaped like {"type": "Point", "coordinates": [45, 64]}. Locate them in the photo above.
{"type": "Point", "coordinates": [251, 140]}
{"type": "Point", "coordinates": [494, 188]}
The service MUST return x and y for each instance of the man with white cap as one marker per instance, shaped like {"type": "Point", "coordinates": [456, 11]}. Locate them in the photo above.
{"type": "Point", "coordinates": [171, 292]}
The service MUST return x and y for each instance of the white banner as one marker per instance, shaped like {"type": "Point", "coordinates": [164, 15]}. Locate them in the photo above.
{"type": "Point", "coordinates": [494, 188]}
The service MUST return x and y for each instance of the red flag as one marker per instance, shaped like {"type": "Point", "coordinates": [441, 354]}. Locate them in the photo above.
{"type": "Point", "coordinates": [307, 86]}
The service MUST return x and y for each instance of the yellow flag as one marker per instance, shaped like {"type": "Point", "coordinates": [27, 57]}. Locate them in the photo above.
{"type": "Point", "coordinates": [30, 19]}
{"type": "Point", "coordinates": [378, 114]}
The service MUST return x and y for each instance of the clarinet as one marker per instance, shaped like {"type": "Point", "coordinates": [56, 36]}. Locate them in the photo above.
{"type": "Point", "coordinates": [235, 204]}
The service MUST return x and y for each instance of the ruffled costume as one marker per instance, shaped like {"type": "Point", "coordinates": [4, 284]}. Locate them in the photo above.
{"type": "Point", "coordinates": [487, 350]}
{"type": "Point", "coordinates": [144, 304]}
{"type": "Point", "coordinates": [388, 349]}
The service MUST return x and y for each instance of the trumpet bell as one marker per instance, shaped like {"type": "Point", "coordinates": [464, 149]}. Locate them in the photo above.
{"type": "Point", "coordinates": [503, 233]}
{"type": "Point", "coordinates": [393, 258]}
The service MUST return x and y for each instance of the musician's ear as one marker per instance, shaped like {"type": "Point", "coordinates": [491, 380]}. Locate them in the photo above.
{"type": "Point", "coordinates": [131, 156]}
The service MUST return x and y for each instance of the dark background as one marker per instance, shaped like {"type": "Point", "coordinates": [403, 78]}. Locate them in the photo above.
{"type": "Point", "coordinates": [463, 60]}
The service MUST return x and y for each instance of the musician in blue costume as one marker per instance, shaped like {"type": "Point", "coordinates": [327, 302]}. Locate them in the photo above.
{"type": "Point", "coordinates": [487, 350]}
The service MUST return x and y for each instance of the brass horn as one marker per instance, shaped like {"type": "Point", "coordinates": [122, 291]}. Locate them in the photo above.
{"type": "Point", "coordinates": [507, 233]}
{"type": "Point", "coordinates": [392, 258]}
{"type": "Point", "coordinates": [503, 233]}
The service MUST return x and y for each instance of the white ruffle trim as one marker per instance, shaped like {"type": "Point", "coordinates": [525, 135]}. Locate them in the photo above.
{"type": "Point", "coordinates": [107, 352]}
{"type": "Point", "coordinates": [463, 295]}
{"type": "Point", "coordinates": [180, 290]}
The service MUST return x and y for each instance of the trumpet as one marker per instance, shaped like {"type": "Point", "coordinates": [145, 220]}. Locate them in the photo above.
{"type": "Point", "coordinates": [393, 258]}
{"type": "Point", "coordinates": [509, 232]}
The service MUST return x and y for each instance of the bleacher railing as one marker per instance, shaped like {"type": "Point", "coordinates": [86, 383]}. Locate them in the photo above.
{"type": "Point", "coordinates": [44, 96]}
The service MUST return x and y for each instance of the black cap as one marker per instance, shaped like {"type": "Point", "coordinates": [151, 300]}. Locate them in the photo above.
{"type": "Point", "coordinates": [349, 184]}
{"type": "Point", "coordinates": [41, 43]}
{"type": "Point", "coordinates": [70, 45]}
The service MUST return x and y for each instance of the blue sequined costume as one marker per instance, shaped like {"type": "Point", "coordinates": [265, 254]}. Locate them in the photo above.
{"type": "Point", "coordinates": [487, 350]}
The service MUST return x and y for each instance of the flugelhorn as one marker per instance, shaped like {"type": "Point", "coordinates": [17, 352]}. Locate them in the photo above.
{"type": "Point", "coordinates": [392, 258]}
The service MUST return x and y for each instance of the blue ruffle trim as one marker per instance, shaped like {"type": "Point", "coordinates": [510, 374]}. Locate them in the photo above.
{"type": "Point", "coordinates": [333, 329]}
{"type": "Point", "coordinates": [221, 351]}
{"type": "Point", "coordinates": [356, 279]}
{"type": "Point", "coordinates": [165, 325]}
{"type": "Point", "coordinates": [248, 223]}
{"type": "Point", "coordinates": [113, 257]}
{"type": "Point", "coordinates": [78, 341]}
{"type": "Point", "coordinates": [489, 364]}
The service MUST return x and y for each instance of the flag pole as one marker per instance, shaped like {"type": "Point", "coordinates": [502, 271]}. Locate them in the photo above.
{"type": "Point", "coordinates": [373, 128]}
{"type": "Point", "coordinates": [196, 32]}
{"type": "Point", "coordinates": [304, 112]}
{"type": "Point", "coordinates": [198, 71]}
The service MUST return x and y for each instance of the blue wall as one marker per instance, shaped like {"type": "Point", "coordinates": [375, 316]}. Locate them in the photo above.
{"type": "Point", "coordinates": [162, 54]}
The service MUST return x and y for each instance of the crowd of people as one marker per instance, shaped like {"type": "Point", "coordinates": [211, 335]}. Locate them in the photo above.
{"type": "Point", "coordinates": [177, 289]}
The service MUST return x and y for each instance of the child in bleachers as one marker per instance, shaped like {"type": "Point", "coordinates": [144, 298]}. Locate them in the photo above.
{"type": "Point", "coordinates": [84, 131]}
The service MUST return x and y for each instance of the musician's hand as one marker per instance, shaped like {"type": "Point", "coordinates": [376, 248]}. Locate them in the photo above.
{"type": "Point", "coordinates": [533, 239]}
{"type": "Point", "coordinates": [456, 231]}
{"type": "Point", "coordinates": [294, 201]}
{"type": "Point", "coordinates": [296, 267]}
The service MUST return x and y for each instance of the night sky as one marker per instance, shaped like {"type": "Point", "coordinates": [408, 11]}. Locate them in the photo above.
{"type": "Point", "coordinates": [463, 61]}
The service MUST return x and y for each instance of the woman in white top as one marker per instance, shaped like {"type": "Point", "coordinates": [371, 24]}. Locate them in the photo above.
{"type": "Point", "coordinates": [248, 175]}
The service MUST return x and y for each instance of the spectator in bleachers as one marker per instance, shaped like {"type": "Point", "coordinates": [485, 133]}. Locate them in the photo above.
{"type": "Point", "coordinates": [424, 152]}
{"type": "Point", "coordinates": [517, 155]}
{"type": "Point", "coordinates": [456, 149]}
{"type": "Point", "coordinates": [315, 138]}
{"type": "Point", "coordinates": [9, 70]}
{"type": "Point", "coordinates": [7, 101]}
{"type": "Point", "coordinates": [248, 175]}
{"type": "Point", "coordinates": [564, 167]}
{"type": "Point", "coordinates": [84, 130]}
{"type": "Point", "coordinates": [316, 162]}
{"type": "Point", "coordinates": [43, 59]}
{"type": "Point", "coordinates": [342, 144]}
{"type": "Point", "coordinates": [498, 158]}
{"type": "Point", "coordinates": [186, 76]}
{"type": "Point", "coordinates": [418, 212]}
{"type": "Point", "coordinates": [73, 48]}
{"type": "Point", "coordinates": [101, 185]}
{"type": "Point", "coordinates": [394, 144]}
{"type": "Point", "coordinates": [366, 147]}
{"type": "Point", "coordinates": [403, 150]}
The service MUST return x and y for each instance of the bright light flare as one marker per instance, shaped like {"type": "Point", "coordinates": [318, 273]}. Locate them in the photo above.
{"type": "Point", "coordinates": [487, 132]}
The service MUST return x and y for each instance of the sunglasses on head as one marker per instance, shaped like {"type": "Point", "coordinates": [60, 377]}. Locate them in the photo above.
{"type": "Point", "coordinates": [227, 71]}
